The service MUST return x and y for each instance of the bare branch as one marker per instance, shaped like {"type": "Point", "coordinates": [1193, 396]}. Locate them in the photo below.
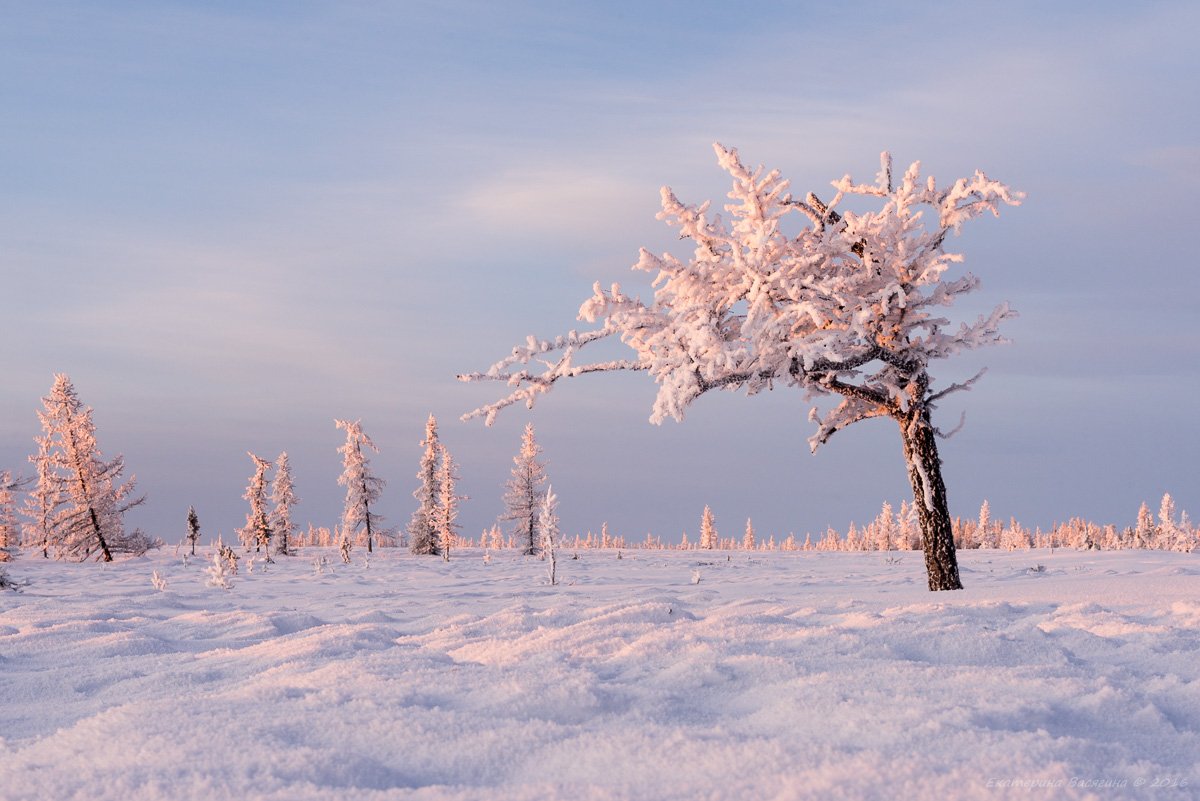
{"type": "Point", "coordinates": [962, 421]}
{"type": "Point", "coordinates": [964, 386]}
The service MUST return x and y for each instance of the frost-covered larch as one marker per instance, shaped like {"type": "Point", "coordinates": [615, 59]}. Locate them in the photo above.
{"type": "Point", "coordinates": [9, 533]}
{"type": "Point", "coordinates": [257, 531]}
{"type": "Point", "coordinates": [363, 488]}
{"type": "Point", "coordinates": [283, 498]}
{"type": "Point", "coordinates": [524, 494]}
{"type": "Point", "coordinates": [708, 530]}
{"type": "Point", "coordinates": [446, 515]}
{"type": "Point", "coordinates": [78, 505]}
{"type": "Point", "coordinates": [422, 527]}
{"type": "Point", "coordinates": [849, 306]}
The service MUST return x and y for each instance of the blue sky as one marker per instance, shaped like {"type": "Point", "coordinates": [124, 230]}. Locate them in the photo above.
{"type": "Point", "coordinates": [231, 223]}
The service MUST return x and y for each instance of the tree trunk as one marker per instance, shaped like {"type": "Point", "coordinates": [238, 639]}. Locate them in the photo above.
{"type": "Point", "coordinates": [929, 495]}
{"type": "Point", "coordinates": [107, 554]}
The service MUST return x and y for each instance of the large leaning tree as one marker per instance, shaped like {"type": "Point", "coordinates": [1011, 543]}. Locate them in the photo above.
{"type": "Point", "coordinates": [848, 305]}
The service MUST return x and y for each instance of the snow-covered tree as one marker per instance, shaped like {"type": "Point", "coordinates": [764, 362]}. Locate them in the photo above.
{"type": "Point", "coordinates": [748, 538]}
{"type": "Point", "coordinates": [193, 525]}
{"type": "Point", "coordinates": [223, 566]}
{"type": "Point", "coordinates": [884, 530]}
{"type": "Point", "coordinates": [847, 306]}
{"type": "Point", "coordinates": [524, 494]}
{"type": "Point", "coordinates": [446, 515]}
{"type": "Point", "coordinates": [362, 487]}
{"type": "Point", "coordinates": [708, 530]}
{"type": "Point", "coordinates": [283, 497]}
{"type": "Point", "coordinates": [257, 531]}
{"type": "Point", "coordinates": [1145, 532]}
{"type": "Point", "coordinates": [43, 501]}
{"type": "Point", "coordinates": [78, 503]}
{"type": "Point", "coordinates": [1172, 536]}
{"type": "Point", "coordinates": [9, 533]}
{"type": "Point", "coordinates": [548, 526]}
{"type": "Point", "coordinates": [422, 527]}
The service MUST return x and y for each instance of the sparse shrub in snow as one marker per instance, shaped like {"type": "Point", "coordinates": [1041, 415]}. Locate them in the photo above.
{"type": "Point", "coordinates": [158, 581]}
{"type": "Point", "coordinates": [7, 582]}
{"type": "Point", "coordinates": [320, 564]}
{"type": "Point", "coordinates": [77, 506]}
{"type": "Point", "coordinates": [257, 531]}
{"type": "Point", "coordinates": [344, 547]}
{"type": "Point", "coordinates": [363, 488]}
{"type": "Point", "coordinates": [283, 496]}
{"type": "Point", "coordinates": [548, 524]}
{"type": "Point", "coordinates": [228, 557]}
{"type": "Point", "coordinates": [695, 576]}
{"type": "Point", "coordinates": [487, 558]}
{"type": "Point", "coordinates": [849, 307]}
{"type": "Point", "coordinates": [523, 496]}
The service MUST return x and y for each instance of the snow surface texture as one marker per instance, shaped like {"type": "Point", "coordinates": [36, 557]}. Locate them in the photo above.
{"type": "Point", "coordinates": [777, 676]}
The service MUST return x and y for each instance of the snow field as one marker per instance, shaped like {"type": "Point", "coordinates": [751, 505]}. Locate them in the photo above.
{"type": "Point", "coordinates": [777, 676]}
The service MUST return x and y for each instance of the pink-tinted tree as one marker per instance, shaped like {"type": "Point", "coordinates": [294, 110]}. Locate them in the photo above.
{"type": "Point", "coordinates": [849, 305]}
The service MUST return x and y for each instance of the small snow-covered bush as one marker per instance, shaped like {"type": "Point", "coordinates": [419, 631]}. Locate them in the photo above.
{"type": "Point", "coordinates": [158, 581]}
{"type": "Point", "coordinates": [218, 572]}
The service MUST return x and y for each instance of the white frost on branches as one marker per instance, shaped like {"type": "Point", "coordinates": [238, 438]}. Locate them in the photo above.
{"type": "Point", "coordinates": [849, 305]}
{"type": "Point", "coordinates": [283, 497]}
{"type": "Point", "coordinates": [708, 530]}
{"type": "Point", "coordinates": [446, 514]}
{"type": "Point", "coordinates": [548, 525]}
{"type": "Point", "coordinates": [362, 487]}
{"type": "Point", "coordinates": [257, 531]}
{"type": "Point", "coordinates": [423, 535]}
{"type": "Point", "coordinates": [77, 505]}
{"type": "Point", "coordinates": [523, 496]}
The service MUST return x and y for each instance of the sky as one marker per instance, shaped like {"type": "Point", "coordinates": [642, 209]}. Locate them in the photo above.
{"type": "Point", "coordinates": [231, 223]}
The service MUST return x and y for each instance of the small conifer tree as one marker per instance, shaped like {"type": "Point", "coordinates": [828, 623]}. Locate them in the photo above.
{"type": "Point", "coordinates": [283, 496]}
{"type": "Point", "coordinates": [422, 528]}
{"type": "Point", "coordinates": [708, 530]}
{"type": "Point", "coordinates": [524, 495]}
{"type": "Point", "coordinates": [257, 531]}
{"type": "Point", "coordinates": [77, 506]}
{"type": "Point", "coordinates": [362, 487]}
{"type": "Point", "coordinates": [193, 524]}
{"type": "Point", "coordinates": [446, 515]}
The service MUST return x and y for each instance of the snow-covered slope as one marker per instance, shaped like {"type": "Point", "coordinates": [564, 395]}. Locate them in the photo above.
{"type": "Point", "coordinates": [775, 676]}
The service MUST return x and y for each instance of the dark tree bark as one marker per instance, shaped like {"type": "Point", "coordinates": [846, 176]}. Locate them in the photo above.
{"type": "Point", "coordinates": [104, 550]}
{"type": "Point", "coordinates": [929, 495]}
